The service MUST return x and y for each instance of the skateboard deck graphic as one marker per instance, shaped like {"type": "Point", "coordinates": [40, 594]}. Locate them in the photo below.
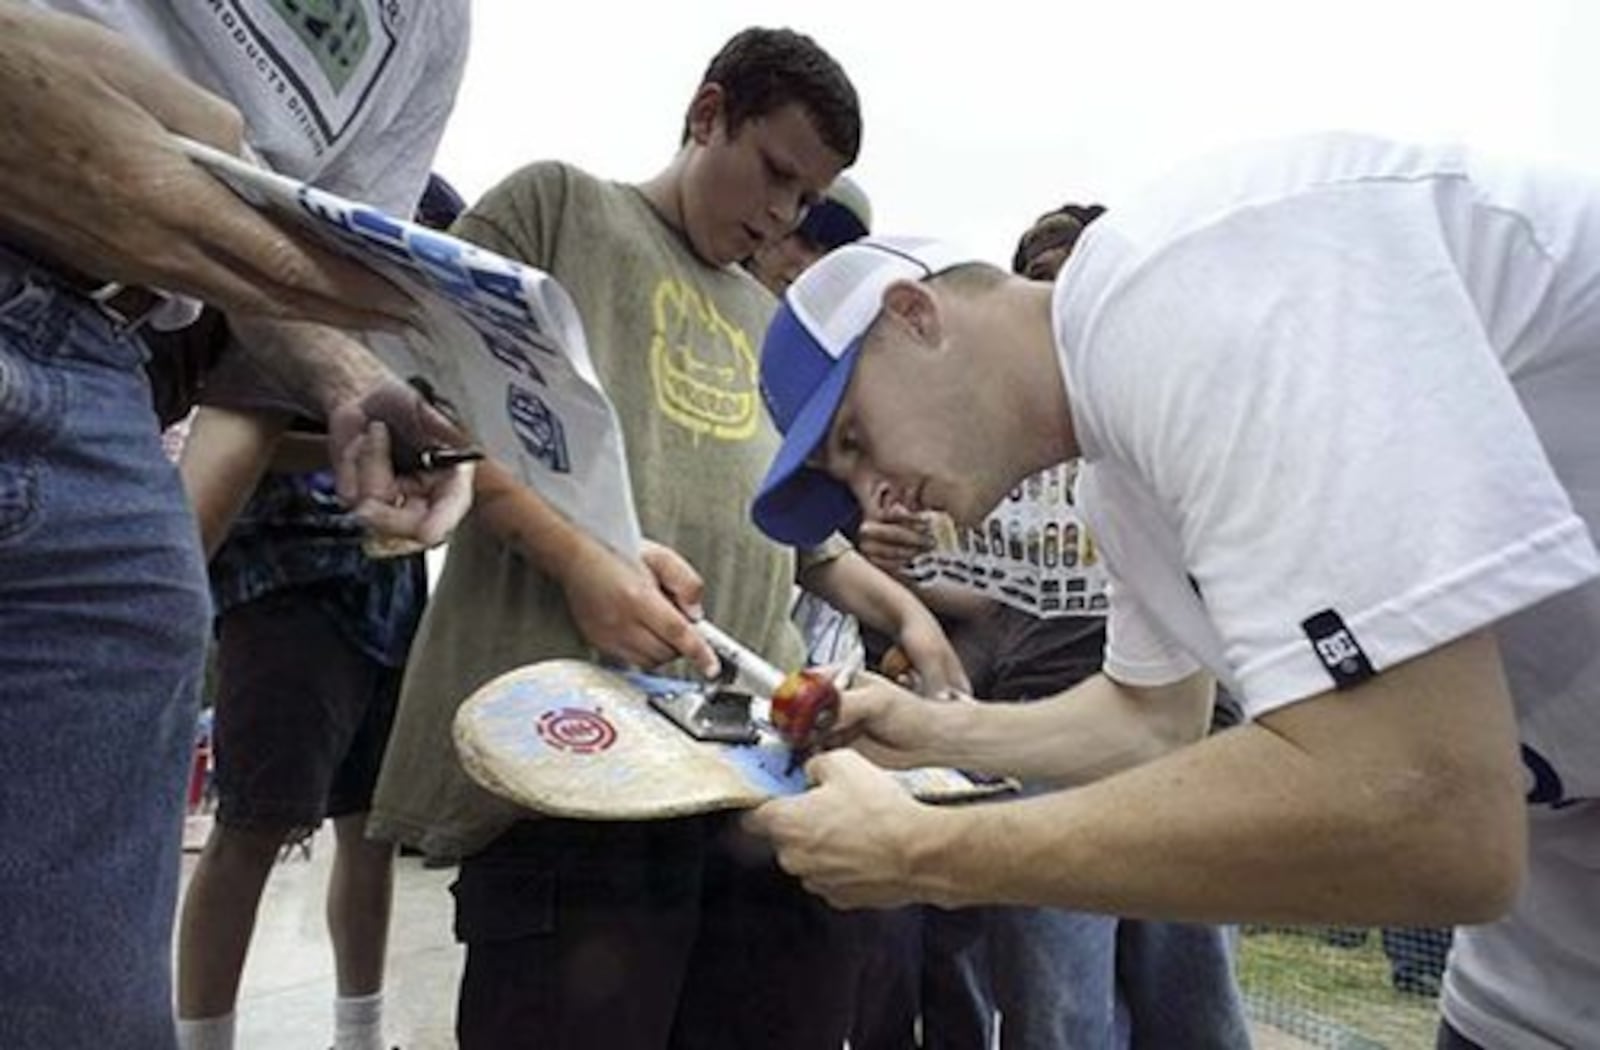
{"type": "Point", "coordinates": [570, 739]}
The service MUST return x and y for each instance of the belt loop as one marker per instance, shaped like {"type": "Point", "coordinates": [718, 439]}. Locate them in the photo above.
{"type": "Point", "coordinates": [25, 306]}
{"type": "Point", "coordinates": [134, 309]}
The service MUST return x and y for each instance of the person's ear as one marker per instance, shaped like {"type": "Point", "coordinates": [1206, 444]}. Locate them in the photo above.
{"type": "Point", "coordinates": [706, 112]}
{"type": "Point", "coordinates": [912, 305]}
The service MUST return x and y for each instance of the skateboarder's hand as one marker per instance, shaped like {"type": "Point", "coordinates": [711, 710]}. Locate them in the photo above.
{"type": "Point", "coordinates": [637, 613]}
{"type": "Point", "coordinates": [92, 181]}
{"type": "Point", "coordinates": [893, 726]}
{"type": "Point", "coordinates": [851, 839]}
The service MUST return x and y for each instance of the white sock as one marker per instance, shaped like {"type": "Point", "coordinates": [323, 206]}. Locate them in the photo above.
{"type": "Point", "coordinates": [206, 1033]}
{"type": "Point", "coordinates": [358, 1022]}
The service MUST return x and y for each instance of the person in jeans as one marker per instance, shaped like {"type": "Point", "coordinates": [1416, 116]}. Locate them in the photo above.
{"type": "Point", "coordinates": [103, 604]}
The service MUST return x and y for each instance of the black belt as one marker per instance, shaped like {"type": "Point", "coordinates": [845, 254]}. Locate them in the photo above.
{"type": "Point", "coordinates": [126, 307]}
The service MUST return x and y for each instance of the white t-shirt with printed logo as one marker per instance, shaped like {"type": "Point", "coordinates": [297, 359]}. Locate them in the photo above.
{"type": "Point", "coordinates": [353, 100]}
{"type": "Point", "coordinates": [1339, 402]}
{"type": "Point", "coordinates": [351, 96]}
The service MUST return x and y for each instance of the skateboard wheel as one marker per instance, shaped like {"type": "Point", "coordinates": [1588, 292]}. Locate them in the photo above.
{"type": "Point", "coordinates": [804, 707]}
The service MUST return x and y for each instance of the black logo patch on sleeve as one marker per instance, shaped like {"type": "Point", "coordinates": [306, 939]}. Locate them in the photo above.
{"type": "Point", "coordinates": [1337, 648]}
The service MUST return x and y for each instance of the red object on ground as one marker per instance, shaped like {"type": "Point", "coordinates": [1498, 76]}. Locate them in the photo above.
{"type": "Point", "coordinates": [198, 768]}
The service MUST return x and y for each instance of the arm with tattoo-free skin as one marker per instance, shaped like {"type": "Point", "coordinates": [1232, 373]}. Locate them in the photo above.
{"type": "Point", "coordinates": [1397, 802]}
{"type": "Point", "coordinates": [224, 457]}
{"type": "Point", "coordinates": [1096, 728]}
{"type": "Point", "coordinates": [852, 584]}
{"type": "Point", "coordinates": [322, 373]}
{"type": "Point", "coordinates": [91, 181]}
{"type": "Point", "coordinates": [639, 613]}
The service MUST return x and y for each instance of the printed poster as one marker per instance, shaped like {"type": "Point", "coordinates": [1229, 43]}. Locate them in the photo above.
{"type": "Point", "coordinates": [1032, 551]}
{"type": "Point", "coordinates": [500, 339]}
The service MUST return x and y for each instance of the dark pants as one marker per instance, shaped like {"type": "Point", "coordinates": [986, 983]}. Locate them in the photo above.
{"type": "Point", "coordinates": [643, 936]}
{"type": "Point", "coordinates": [1450, 1039]}
{"type": "Point", "coordinates": [1417, 957]}
{"type": "Point", "coordinates": [303, 714]}
{"type": "Point", "coordinates": [1059, 979]}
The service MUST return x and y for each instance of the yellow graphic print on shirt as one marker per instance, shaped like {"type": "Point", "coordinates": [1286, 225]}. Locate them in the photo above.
{"type": "Point", "coordinates": [702, 366]}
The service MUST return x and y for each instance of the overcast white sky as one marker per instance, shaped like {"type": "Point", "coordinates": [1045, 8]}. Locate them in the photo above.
{"type": "Point", "coordinates": [979, 115]}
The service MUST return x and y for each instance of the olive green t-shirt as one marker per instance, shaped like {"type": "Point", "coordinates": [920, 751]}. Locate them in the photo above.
{"type": "Point", "coordinates": [676, 345]}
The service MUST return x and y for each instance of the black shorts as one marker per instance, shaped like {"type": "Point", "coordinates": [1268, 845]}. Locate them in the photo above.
{"type": "Point", "coordinates": [638, 935]}
{"type": "Point", "coordinates": [302, 715]}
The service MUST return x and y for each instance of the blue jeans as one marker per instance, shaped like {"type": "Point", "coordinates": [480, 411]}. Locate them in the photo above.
{"type": "Point", "coordinates": [956, 994]}
{"type": "Point", "coordinates": [1068, 980]}
{"type": "Point", "coordinates": [103, 619]}
{"type": "Point", "coordinates": [929, 963]}
{"type": "Point", "coordinates": [1060, 980]}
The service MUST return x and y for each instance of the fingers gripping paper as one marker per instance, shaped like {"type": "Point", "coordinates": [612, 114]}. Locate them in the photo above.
{"type": "Point", "coordinates": [501, 340]}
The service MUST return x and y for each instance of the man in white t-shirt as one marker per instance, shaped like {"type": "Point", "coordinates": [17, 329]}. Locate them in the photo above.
{"type": "Point", "coordinates": [1335, 400]}
{"type": "Point", "coordinates": [107, 233]}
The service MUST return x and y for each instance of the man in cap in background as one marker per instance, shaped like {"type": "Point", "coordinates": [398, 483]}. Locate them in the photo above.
{"type": "Point", "coordinates": [843, 214]}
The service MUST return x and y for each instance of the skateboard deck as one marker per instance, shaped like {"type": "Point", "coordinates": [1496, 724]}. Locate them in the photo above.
{"type": "Point", "coordinates": [569, 739]}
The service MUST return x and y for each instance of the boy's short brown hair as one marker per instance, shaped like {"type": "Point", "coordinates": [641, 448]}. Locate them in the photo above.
{"type": "Point", "coordinates": [762, 70]}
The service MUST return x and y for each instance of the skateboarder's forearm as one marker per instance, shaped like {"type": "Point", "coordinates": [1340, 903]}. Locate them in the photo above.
{"type": "Point", "coordinates": [1395, 803]}
{"type": "Point", "coordinates": [1092, 730]}
{"type": "Point", "coordinates": [953, 602]}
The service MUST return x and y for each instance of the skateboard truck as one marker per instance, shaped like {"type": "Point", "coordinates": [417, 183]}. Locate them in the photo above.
{"type": "Point", "coordinates": [801, 706]}
{"type": "Point", "coordinates": [710, 712]}
{"type": "Point", "coordinates": [716, 710]}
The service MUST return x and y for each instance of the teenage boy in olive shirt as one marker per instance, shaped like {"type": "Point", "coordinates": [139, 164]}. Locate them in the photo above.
{"type": "Point", "coordinates": [640, 934]}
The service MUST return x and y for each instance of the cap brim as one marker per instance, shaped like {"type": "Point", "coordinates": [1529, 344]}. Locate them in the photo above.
{"type": "Point", "coordinates": [797, 504]}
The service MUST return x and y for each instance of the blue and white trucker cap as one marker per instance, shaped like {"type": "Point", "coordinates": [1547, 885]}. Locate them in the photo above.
{"type": "Point", "coordinates": [806, 362]}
